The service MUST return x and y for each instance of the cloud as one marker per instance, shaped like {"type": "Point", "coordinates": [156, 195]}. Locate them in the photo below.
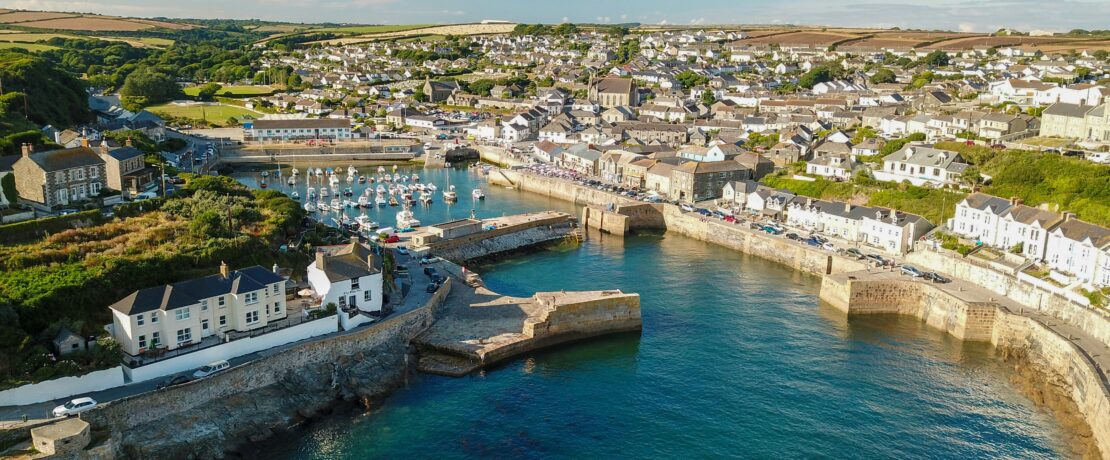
{"type": "Point", "coordinates": [967, 27]}
{"type": "Point", "coordinates": [565, 19]}
{"type": "Point", "coordinates": [663, 22]}
{"type": "Point", "coordinates": [697, 22]}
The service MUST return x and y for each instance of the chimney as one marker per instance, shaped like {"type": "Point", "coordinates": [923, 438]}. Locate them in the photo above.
{"type": "Point", "coordinates": [321, 260]}
{"type": "Point", "coordinates": [1068, 216]}
{"type": "Point", "coordinates": [224, 272]}
{"type": "Point", "coordinates": [274, 269]}
{"type": "Point", "coordinates": [847, 207]}
{"type": "Point", "coordinates": [26, 149]}
{"type": "Point", "coordinates": [103, 148]}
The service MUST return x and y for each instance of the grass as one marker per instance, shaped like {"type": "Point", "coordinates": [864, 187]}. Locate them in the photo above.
{"type": "Point", "coordinates": [423, 38]}
{"type": "Point", "coordinates": [362, 30]}
{"type": "Point", "coordinates": [1050, 142]}
{"type": "Point", "coordinates": [33, 47]}
{"type": "Point", "coordinates": [934, 204]}
{"type": "Point", "coordinates": [216, 115]}
{"type": "Point", "coordinates": [235, 90]}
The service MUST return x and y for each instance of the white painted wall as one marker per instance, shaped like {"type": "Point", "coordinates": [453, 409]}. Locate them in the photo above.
{"type": "Point", "coordinates": [64, 387]}
{"type": "Point", "coordinates": [233, 349]}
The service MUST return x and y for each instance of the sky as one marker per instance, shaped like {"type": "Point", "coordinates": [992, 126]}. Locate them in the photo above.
{"type": "Point", "coordinates": [957, 15]}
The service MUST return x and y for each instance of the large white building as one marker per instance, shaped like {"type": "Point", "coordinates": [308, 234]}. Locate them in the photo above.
{"type": "Point", "coordinates": [283, 129]}
{"type": "Point", "coordinates": [350, 277]}
{"type": "Point", "coordinates": [180, 314]}
{"type": "Point", "coordinates": [977, 218]}
{"type": "Point", "coordinates": [1081, 250]}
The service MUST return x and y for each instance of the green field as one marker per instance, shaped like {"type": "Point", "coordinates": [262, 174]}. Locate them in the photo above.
{"type": "Point", "coordinates": [234, 90]}
{"type": "Point", "coordinates": [362, 30]}
{"type": "Point", "coordinates": [33, 47]}
{"type": "Point", "coordinates": [216, 115]}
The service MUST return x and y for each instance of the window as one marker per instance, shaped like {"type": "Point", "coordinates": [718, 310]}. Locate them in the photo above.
{"type": "Point", "coordinates": [141, 319]}
{"type": "Point", "coordinates": [60, 178]}
{"type": "Point", "coordinates": [154, 317]}
{"type": "Point", "coordinates": [142, 342]}
{"type": "Point", "coordinates": [204, 325]}
{"type": "Point", "coordinates": [342, 301]}
{"type": "Point", "coordinates": [94, 173]}
{"type": "Point", "coordinates": [251, 297]}
{"type": "Point", "coordinates": [275, 289]}
{"type": "Point", "coordinates": [94, 188]}
{"type": "Point", "coordinates": [223, 320]}
{"type": "Point", "coordinates": [155, 339]}
{"type": "Point", "coordinates": [204, 305]}
{"type": "Point", "coordinates": [354, 283]}
{"type": "Point", "coordinates": [182, 313]}
{"type": "Point", "coordinates": [366, 295]}
{"type": "Point", "coordinates": [252, 317]}
{"type": "Point", "coordinates": [184, 336]}
{"type": "Point", "coordinates": [79, 174]}
{"type": "Point", "coordinates": [221, 302]}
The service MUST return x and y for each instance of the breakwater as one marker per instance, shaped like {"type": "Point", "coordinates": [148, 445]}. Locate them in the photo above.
{"type": "Point", "coordinates": [1087, 388]}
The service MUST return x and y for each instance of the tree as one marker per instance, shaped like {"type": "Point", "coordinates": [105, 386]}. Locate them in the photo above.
{"type": "Point", "coordinates": [819, 74]}
{"type": "Point", "coordinates": [419, 95]}
{"type": "Point", "coordinates": [936, 58]}
{"type": "Point", "coordinates": [882, 76]}
{"type": "Point", "coordinates": [707, 97]}
{"type": "Point", "coordinates": [147, 86]}
{"type": "Point", "coordinates": [208, 91]}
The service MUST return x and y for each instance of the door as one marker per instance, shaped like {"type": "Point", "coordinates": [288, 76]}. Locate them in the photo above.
{"type": "Point", "coordinates": [352, 301]}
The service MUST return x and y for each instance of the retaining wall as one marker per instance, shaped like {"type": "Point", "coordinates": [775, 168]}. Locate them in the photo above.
{"type": "Point", "coordinates": [502, 239]}
{"type": "Point", "coordinates": [63, 387]}
{"type": "Point", "coordinates": [606, 221]}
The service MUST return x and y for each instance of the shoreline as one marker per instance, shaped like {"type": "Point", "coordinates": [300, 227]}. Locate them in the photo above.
{"type": "Point", "coordinates": [1094, 418]}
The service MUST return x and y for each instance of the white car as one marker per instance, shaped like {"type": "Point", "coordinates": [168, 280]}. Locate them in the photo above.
{"type": "Point", "coordinates": [210, 368]}
{"type": "Point", "coordinates": [687, 208]}
{"type": "Point", "coordinates": [74, 407]}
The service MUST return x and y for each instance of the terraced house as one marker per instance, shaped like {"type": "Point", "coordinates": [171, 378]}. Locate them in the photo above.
{"type": "Point", "coordinates": [57, 178]}
{"type": "Point", "coordinates": [176, 315]}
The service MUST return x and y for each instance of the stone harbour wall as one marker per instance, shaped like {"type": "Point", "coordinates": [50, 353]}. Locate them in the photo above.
{"type": "Point", "coordinates": [252, 402]}
{"type": "Point", "coordinates": [1058, 373]}
{"type": "Point", "coordinates": [605, 221]}
{"type": "Point", "coordinates": [504, 239]}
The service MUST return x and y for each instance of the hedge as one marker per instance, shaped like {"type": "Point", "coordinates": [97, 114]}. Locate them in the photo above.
{"type": "Point", "coordinates": [31, 230]}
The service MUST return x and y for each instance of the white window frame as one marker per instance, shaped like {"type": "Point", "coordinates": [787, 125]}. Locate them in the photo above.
{"type": "Point", "coordinates": [184, 335]}
{"type": "Point", "coordinates": [252, 317]}
{"type": "Point", "coordinates": [182, 313]}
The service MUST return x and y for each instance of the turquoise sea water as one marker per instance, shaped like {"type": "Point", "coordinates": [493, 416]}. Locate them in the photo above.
{"type": "Point", "coordinates": [738, 358]}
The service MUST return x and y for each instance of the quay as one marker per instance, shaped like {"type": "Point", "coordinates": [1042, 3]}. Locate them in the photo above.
{"type": "Point", "coordinates": [1066, 346]}
{"type": "Point", "coordinates": [469, 239]}
{"type": "Point", "coordinates": [377, 150]}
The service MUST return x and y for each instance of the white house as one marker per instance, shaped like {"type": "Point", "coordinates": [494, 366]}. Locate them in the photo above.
{"type": "Point", "coordinates": [892, 231]}
{"type": "Point", "coordinates": [1080, 249]}
{"type": "Point", "coordinates": [977, 218]}
{"type": "Point", "coordinates": [922, 164]}
{"type": "Point", "coordinates": [350, 277]}
{"type": "Point", "coordinates": [297, 128]}
{"type": "Point", "coordinates": [181, 314]}
{"type": "Point", "coordinates": [833, 166]}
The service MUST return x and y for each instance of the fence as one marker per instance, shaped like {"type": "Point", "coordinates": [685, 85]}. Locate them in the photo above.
{"type": "Point", "coordinates": [63, 387]}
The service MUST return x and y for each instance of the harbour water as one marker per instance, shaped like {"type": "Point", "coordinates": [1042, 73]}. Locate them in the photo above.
{"type": "Point", "coordinates": [737, 359]}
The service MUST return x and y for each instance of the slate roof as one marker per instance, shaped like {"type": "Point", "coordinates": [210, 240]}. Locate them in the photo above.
{"type": "Point", "coordinates": [348, 262]}
{"type": "Point", "coordinates": [190, 292]}
{"type": "Point", "coordinates": [57, 160]}
{"type": "Point", "coordinates": [125, 153]}
{"type": "Point", "coordinates": [982, 202]}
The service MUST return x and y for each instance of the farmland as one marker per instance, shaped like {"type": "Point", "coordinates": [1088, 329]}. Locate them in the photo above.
{"type": "Point", "coordinates": [33, 47]}
{"type": "Point", "coordinates": [82, 22]}
{"type": "Point", "coordinates": [454, 29]}
{"type": "Point", "coordinates": [28, 16]}
{"type": "Point", "coordinates": [816, 39]}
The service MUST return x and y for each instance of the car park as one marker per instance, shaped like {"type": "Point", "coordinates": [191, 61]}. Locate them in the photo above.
{"type": "Point", "coordinates": [74, 407]}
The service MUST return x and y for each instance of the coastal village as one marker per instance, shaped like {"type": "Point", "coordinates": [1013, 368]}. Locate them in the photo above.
{"type": "Point", "coordinates": [789, 146]}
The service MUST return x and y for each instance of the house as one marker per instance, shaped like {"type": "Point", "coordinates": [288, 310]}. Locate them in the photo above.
{"type": "Point", "coordinates": [835, 166]}
{"type": "Point", "coordinates": [349, 276]}
{"type": "Point", "coordinates": [125, 168]}
{"type": "Point", "coordinates": [282, 129]}
{"type": "Point", "coordinates": [695, 181]}
{"type": "Point", "coordinates": [657, 178]}
{"type": "Point", "coordinates": [613, 92]}
{"type": "Point", "coordinates": [993, 126]}
{"type": "Point", "coordinates": [612, 164]}
{"type": "Point", "coordinates": [581, 158]}
{"type": "Point", "coordinates": [439, 91]}
{"type": "Point", "coordinates": [977, 218]}
{"type": "Point", "coordinates": [867, 147]}
{"type": "Point", "coordinates": [617, 114]}
{"type": "Point", "coordinates": [546, 151]}
{"type": "Point", "coordinates": [1027, 228]}
{"type": "Point", "coordinates": [176, 315]}
{"type": "Point", "coordinates": [922, 164]}
{"type": "Point", "coordinates": [892, 231]}
{"type": "Point", "coordinates": [635, 172]}
{"type": "Point", "coordinates": [735, 194]}
{"type": "Point", "coordinates": [56, 178]}
{"type": "Point", "coordinates": [423, 121]}
{"type": "Point", "coordinates": [1081, 250]}
{"type": "Point", "coordinates": [1074, 121]}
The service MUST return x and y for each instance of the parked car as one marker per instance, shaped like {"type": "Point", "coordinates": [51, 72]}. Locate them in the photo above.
{"type": "Point", "coordinates": [432, 287]}
{"type": "Point", "coordinates": [687, 208]}
{"type": "Point", "coordinates": [431, 272]}
{"type": "Point", "coordinates": [829, 246]}
{"type": "Point", "coordinates": [174, 380]}
{"type": "Point", "coordinates": [74, 407]}
{"type": "Point", "coordinates": [793, 236]}
{"type": "Point", "coordinates": [429, 260]}
{"type": "Point", "coordinates": [211, 368]}
{"type": "Point", "coordinates": [936, 277]}
{"type": "Point", "coordinates": [912, 271]}
{"type": "Point", "coordinates": [755, 226]}
{"type": "Point", "coordinates": [772, 229]}
{"type": "Point", "coordinates": [853, 252]}
{"type": "Point", "coordinates": [877, 259]}
{"type": "Point", "coordinates": [705, 212]}
{"type": "Point", "coordinates": [402, 250]}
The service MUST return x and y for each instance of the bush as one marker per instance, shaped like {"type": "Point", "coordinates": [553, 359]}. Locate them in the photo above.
{"type": "Point", "coordinates": [21, 232]}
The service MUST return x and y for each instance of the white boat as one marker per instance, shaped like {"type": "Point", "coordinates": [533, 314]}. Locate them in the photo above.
{"type": "Point", "coordinates": [426, 197]}
{"type": "Point", "coordinates": [291, 182]}
{"type": "Point", "coordinates": [295, 195]}
{"type": "Point", "coordinates": [319, 172]}
{"type": "Point", "coordinates": [364, 222]}
{"type": "Point", "coordinates": [362, 179]}
{"type": "Point", "coordinates": [336, 204]}
{"type": "Point", "coordinates": [396, 177]}
{"type": "Point", "coordinates": [322, 206]}
{"type": "Point", "coordinates": [450, 195]}
{"type": "Point", "coordinates": [350, 179]}
{"type": "Point", "coordinates": [380, 200]}
{"type": "Point", "coordinates": [323, 192]}
{"type": "Point", "coordinates": [364, 201]}
{"type": "Point", "coordinates": [333, 181]}
{"type": "Point", "coordinates": [415, 177]}
{"type": "Point", "coordinates": [308, 206]}
{"type": "Point", "coordinates": [295, 171]}
{"type": "Point", "coordinates": [477, 194]}
{"type": "Point", "coordinates": [351, 171]}
{"type": "Point", "coordinates": [431, 187]}
{"type": "Point", "coordinates": [381, 189]}
{"type": "Point", "coordinates": [406, 220]}
{"type": "Point", "coordinates": [381, 169]}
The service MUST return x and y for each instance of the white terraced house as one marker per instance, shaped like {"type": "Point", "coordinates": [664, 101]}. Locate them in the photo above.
{"type": "Point", "coordinates": [977, 217]}
{"type": "Point", "coordinates": [1081, 250]}
{"type": "Point", "coordinates": [180, 314]}
{"type": "Point", "coordinates": [298, 128]}
{"type": "Point", "coordinates": [350, 277]}
{"type": "Point", "coordinates": [921, 165]}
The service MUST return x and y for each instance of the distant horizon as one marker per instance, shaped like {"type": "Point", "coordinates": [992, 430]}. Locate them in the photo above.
{"type": "Point", "coordinates": [983, 16]}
